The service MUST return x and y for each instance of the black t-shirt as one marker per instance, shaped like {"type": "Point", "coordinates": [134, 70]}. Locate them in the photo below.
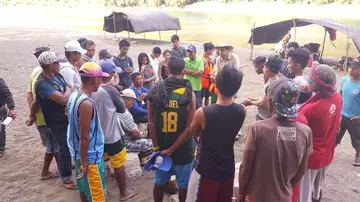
{"type": "Point", "coordinates": [124, 76]}
{"type": "Point", "coordinates": [215, 152]}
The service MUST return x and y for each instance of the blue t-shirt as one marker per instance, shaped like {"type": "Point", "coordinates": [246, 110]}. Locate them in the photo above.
{"type": "Point", "coordinates": [45, 89]}
{"type": "Point", "coordinates": [96, 135]}
{"type": "Point", "coordinates": [124, 76]}
{"type": "Point", "coordinates": [350, 97]}
{"type": "Point", "coordinates": [137, 108]}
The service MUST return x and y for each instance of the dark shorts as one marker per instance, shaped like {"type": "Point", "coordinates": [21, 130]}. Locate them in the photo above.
{"type": "Point", "coordinates": [208, 190]}
{"type": "Point", "coordinates": [205, 93]}
{"type": "Point", "coordinates": [353, 127]}
{"type": "Point", "coordinates": [47, 140]}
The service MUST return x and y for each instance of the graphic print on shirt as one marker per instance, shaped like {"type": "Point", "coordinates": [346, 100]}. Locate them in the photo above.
{"type": "Point", "coordinates": [332, 109]}
{"type": "Point", "coordinates": [286, 133]}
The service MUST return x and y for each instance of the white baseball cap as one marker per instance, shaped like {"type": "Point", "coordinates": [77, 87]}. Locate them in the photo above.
{"type": "Point", "coordinates": [128, 93]}
{"type": "Point", "coordinates": [74, 46]}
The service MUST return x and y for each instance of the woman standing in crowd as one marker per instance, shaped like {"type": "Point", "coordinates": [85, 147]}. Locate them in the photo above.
{"type": "Point", "coordinates": [163, 70]}
{"type": "Point", "coordinates": [147, 71]}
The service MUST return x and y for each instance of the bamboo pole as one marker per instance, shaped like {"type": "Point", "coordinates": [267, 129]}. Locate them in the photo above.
{"type": "Point", "coordinates": [323, 46]}
{"type": "Point", "coordinates": [114, 21]}
{"type": "Point", "coordinates": [347, 52]}
{"type": "Point", "coordinates": [252, 41]}
{"type": "Point", "coordinates": [294, 23]}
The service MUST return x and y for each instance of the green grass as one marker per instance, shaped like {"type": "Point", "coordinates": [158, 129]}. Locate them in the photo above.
{"type": "Point", "coordinates": [235, 29]}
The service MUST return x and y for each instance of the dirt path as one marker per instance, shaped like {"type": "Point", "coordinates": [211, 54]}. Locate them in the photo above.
{"type": "Point", "coordinates": [21, 166]}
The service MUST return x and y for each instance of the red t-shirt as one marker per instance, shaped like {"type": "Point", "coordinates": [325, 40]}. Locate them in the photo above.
{"type": "Point", "coordinates": [324, 120]}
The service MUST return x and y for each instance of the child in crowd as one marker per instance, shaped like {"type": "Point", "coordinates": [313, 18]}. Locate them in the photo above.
{"type": "Point", "coordinates": [163, 70]}
{"type": "Point", "coordinates": [147, 71]}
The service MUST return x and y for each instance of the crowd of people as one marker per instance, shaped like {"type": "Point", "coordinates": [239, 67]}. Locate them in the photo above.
{"type": "Point", "coordinates": [87, 111]}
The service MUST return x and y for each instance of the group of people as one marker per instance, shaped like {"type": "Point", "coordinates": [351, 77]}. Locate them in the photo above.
{"type": "Point", "coordinates": [87, 110]}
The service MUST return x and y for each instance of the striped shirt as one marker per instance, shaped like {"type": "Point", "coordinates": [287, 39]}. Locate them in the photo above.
{"type": "Point", "coordinates": [128, 124]}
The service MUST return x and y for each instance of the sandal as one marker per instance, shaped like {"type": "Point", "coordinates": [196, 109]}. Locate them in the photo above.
{"type": "Point", "coordinates": [71, 185]}
{"type": "Point", "coordinates": [51, 175]}
{"type": "Point", "coordinates": [131, 193]}
{"type": "Point", "coordinates": [356, 164]}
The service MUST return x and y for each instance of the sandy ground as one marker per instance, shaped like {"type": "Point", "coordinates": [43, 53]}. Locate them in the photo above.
{"type": "Point", "coordinates": [20, 168]}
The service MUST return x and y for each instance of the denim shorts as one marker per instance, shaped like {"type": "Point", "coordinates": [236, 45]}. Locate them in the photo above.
{"type": "Point", "coordinates": [48, 141]}
{"type": "Point", "coordinates": [182, 173]}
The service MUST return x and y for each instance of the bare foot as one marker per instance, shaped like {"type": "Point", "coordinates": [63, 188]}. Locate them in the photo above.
{"type": "Point", "coordinates": [129, 194]}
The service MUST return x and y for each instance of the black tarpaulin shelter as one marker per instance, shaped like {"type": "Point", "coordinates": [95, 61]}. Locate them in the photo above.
{"type": "Point", "coordinates": [273, 33]}
{"type": "Point", "coordinates": [140, 22]}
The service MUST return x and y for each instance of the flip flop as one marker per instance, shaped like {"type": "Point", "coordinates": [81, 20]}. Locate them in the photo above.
{"type": "Point", "coordinates": [51, 175]}
{"type": "Point", "coordinates": [71, 186]}
{"type": "Point", "coordinates": [356, 164]}
{"type": "Point", "coordinates": [131, 194]}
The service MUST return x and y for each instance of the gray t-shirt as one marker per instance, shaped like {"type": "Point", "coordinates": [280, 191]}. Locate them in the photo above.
{"type": "Point", "coordinates": [179, 52]}
{"type": "Point", "coordinates": [109, 103]}
{"type": "Point", "coordinates": [263, 111]}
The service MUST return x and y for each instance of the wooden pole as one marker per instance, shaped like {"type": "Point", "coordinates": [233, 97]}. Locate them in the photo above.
{"type": "Point", "coordinates": [294, 29]}
{"type": "Point", "coordinates": [347, 52]}
{"type": "Point", "coordinates": [159, 36]}
{"type": "Point", "coordinates": [252, 42]}
{"type": "Point", "coordinates": [323, 46]}
{"type": "Point", "coordinates": [128, 28]}
{"type": "Point", "coordinates": [114, 21]}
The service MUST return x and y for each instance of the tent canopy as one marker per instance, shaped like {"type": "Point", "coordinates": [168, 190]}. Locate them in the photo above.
{"type": "Point", "coordinates": [140, 22]}
{"type": "Point", "coordinates": [273, 33]}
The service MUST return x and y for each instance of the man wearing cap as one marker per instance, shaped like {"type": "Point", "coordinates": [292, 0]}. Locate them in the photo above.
{"type": "Point", "coordinates": [104, 54]}
{"type": "Point", "coordinates": [171, 107]}
{"type": "Point", "coordinates": [213, 177]}
{"type": "Point", "coordinates": [279, 144]}
{"type": "Point", "coordinates": [323, 112]}
{"type": "Point", "coordinates": [69, 70]}
{"type": "Point", "coordinates": [194, 69]}
{"type": "Point", "coordinates": [350, 88]}
{"type": "Point", "coordinates": [7, 109]}
{"type": "Point", "coordinates": [109, 104]}
{"type": "Point", "coordinates": [134, 140]}
{"type": "Point", "coordinates": [226, 57]}
{"type": "Point", "coordinates": [47, 139]}
{"type": "Point", "coordinates": [271, 69]}
{"type": "Point", "coordinates": [85, 136]}
{"type": "Point", "coordinates": [52, 94]}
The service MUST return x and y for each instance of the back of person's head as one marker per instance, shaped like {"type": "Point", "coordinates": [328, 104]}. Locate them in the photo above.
{"type": "Point", "coordinates": [274, 63]}
{"type": "Point", "coordinates": [39, 50]}
{"type": "Point", "coordinates": [228, 81]}
{"type": "Point", "coordinates": [175, 37]}
{"type": "Point", "coordinates": [156, 50]}
{"type": "Point", "coordinates": [176, 65]}
{"type": "Point", "coordinates": [300, 56]}
{"type": "Point", "coordinates": [83, 42]}
{"type": "Point", "coordinates": [123, 43]}
{"type": "Point", "coordinates": [208, 46]}
{"type": "Point", "coordinates": [259, 60]}
{"type": "Point", "coordinates": [293, 45]}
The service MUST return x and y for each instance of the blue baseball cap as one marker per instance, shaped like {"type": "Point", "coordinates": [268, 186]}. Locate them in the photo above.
{"type": "Point", "coordinates": [109, 66]}
{"type": "Point", "coordinates": [191, 48]}
{"type": "Point", "coordinates": [158, 161]}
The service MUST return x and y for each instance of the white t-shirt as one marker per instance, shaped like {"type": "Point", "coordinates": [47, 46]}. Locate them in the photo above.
{"type": "Point", "coordinates": [71, 75]}
{"type": "Point", "coordinates": [155, 63]}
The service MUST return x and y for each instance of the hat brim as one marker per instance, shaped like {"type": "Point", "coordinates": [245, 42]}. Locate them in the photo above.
{"type": "Point", "coordinates": [190, 50]}
{"type": "Point", "coordinates": [225, 46]}
{"type": "Point", "coordinates": [118, 70]}
{"type": "Point", "coordinates": [149, 165]}
{"type": "Point", "coordinates": [81, 51]}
